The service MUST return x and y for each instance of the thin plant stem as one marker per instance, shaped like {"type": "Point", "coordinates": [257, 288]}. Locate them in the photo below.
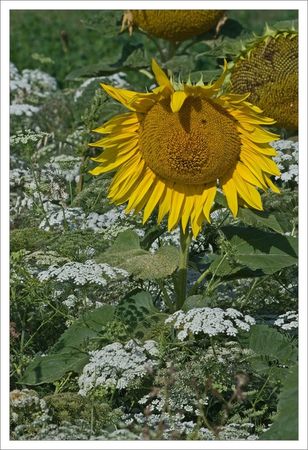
{"type": "Point", "coordinates": [198, 282]}
{"type": "Point", "coordinates": [214, 274]}
{"type": "Point", "coordinates": [181, 288]}
{"type": "Point", "coordinates": [166, 296]}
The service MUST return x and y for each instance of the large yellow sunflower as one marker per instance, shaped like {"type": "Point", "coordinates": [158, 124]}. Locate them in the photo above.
{"type": "Point", "coordinates": [179, 144]}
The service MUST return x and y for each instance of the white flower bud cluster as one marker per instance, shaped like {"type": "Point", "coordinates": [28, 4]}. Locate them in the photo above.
{"type": "Point", "coordinates": [209, 321]}
{"type": "Point", "coordinates": [83, 273]}
{"type": "Point", "coordinates": [31, 82]}
{"type": "Point", "coordinates": [287, 159]}
{"type": "Point", "coordinates": [118, 365]}
{"type": "Point", "coordinates": [287, 321]}
{"type": "Point", "coordinates": [111, 222]}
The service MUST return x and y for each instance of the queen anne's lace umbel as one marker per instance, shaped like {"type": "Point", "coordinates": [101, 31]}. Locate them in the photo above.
{"type": "Point", "coordinates": [209, 321]}
{"type": "Point", "coordinates": [118, 365]}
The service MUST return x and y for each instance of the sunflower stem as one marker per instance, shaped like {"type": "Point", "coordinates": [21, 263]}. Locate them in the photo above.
{"type": "Point", "coordinates": [181, 281]}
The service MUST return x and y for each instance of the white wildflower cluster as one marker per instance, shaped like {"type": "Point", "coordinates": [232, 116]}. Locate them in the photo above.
{"type": "Point", "coordinates": [287, 159]}
{"type": "Point", "coordinates": [116, 80]}
{"type": "Point", "coordinates": [160, 403]}
{"type": "Point", "coordinates": [173, 425]}
{"type": "Point", "coordinates": [28, 89]}
{"type": "Point", "coordinates": [287, 321]}
{"type": "Point", "coordinates": [64, 166]}
{"type": "Point", "coordinates": [118, 365]}
{"type": "Point", "coordinates": [111, 223]}
{"type": "Point", "coordinates": [26, 136]}
{"type": "Point", "coordinates": [209, 321]}
{"type": "Point", "coordinates": [19, 109]}
{"type": "Point", "coordinates": [82, 273]}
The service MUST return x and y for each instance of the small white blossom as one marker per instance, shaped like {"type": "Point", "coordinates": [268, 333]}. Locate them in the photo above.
{"type": "Point", "coordinates": [82, 273]}
{"type": "Point", "coordinates": [209, 321]}
{"type": "Point", "coordinates": [117, 365]}
{"type": "Point", "coordinates": [287, 321]}
{"type": "Point", "coordinates": [18, 109]}
{"type": "Point", "coordinates": [287, 159]}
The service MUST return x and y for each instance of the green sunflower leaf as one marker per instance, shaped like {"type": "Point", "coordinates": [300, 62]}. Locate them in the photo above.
{"type": "Point", "coordinates": [69, 353]}
{"type": "Point", "coordinates": [268, 341]}
{"type": "Point", "coordinates": [285, 423]}
{"type": "Point", "coordinates": [261, 250]}
{"type": "Point", "coordinates": [127, 254]}
{"type": "Point", "coordinates": [47, 369]}
{"type": "Point", "coordinates": [260, 219]}
{"type": "Point", "coordinates": [138, 313]}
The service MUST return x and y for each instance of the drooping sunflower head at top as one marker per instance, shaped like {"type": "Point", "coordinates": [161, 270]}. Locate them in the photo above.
{"type": "Point", "coordinates": [172, 25]}
{"type": "Point", "coordinates": [268, 69]}
{"type": "Point", "coordinates": [179, 144]}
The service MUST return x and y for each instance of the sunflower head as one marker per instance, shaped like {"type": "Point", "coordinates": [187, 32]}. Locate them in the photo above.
{"type": "Point", "coordinates": [268, 69]}
{"type": "Point", "coordinates": [180, 143]}
{"type": "Point", "coordinates": [173, 25]}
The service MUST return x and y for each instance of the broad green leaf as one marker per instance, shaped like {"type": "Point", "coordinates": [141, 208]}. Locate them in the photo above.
{"type": "Point", "coordinates": [194, 301]}
{"type": "Point", "coordinates": [47, 369]}
{"type": "Point", "coordinates": [261, 250]}
{"type": "Point", "coordinates": [260, 219]}
{"type": "Point", "coordinates": [127, 254]}
{"type": "Point", "coordinates": [153, 266]}
{"type": "Point", "coordinates": [285, 423]}
{"type": "Point", "coordinates": [125, 57]}
{"type": "Point", "coordinates": [68, 354]}
{"type": "Point", "coordinates": [182, 64]}
{"type": "Point", "coordinates": [93, 70]}
{"type": "Point", "coordinates": [138, 312]}
{"type": "Point", "coordinates": [84, 329]}
{"type": "Point", "coordinates": [268, 341]}
{"type": "Point", "coordinates": [137, 59]}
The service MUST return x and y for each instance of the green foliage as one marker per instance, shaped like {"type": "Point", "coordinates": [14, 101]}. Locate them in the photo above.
{"type": "Point", "coordinates": [127, 254]}
{"type": "Point", "coordinates": [269, 342]}
{"type": "Point", "coordinates": [139, 314]}
{"type": "Point", "coordinates": [256, 250]}
{"type": "Point", "coordinates": [285, 423]}
{"type": "Point", "coordinates": [71, 407]}
{"type": "Point", "coordinates": [231, 387]}
{"type": "Point", "coordinates": [69, 352]}
{"type": "Point", "coordinates": [261, 219]}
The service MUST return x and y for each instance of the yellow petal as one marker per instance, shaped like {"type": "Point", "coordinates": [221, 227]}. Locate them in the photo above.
{"type": "Point", "coordinates": [121, 187]}
{"type": "Point", "coordinates": [260, 162]}
{"type": "Point", "coordinates": [122, 95]}
{"type": "Point", "coordinates": [176, 208]}
{"type": "Point", "coordinates": [270, 184]}
{"type": "Point", "coordinates": [230, 192]}
{"type": "Point", "coordinates": [248, 193]}
{"type": "Point", "coordinates": [122, 120]}
{"type": "Point", "coordinates": [154, 199]}
{"type": "Point", "coordinates": [109, 167]}
{"type": "Point", "coordinates": [209, 201]}
{"type": "Point", "coordinates": [187, 208]}
{"type": "Point", "coordinates": [160, 76]}
{"type": "Point", "coordinates": [177, 100]}
{"type": "Point", "coordinates": [164, 204]}
{"type": "Point", "coordinates": [259, 135]}
{"type": "Point", "coordinates": [248, 175]}
{"type": "Point", "coordinates": [110, 154]}
{"type": "Point", "coordinates": [141, 190]}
